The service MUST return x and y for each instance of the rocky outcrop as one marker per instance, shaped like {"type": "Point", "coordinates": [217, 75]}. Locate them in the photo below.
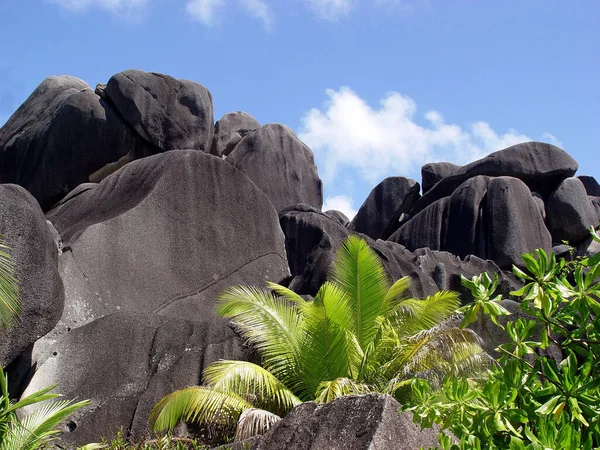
{"type": "Point", "coordinates": [570, 214]}
{"type": "Point", "coordinates": [540, 166]}
{"type": "Point", "coordinates": [24, 230]}
{"type": "Point", "coordinates": [431, 173]}
{"type": "Point", "coordinates": [125, 363]}
{"type": "Point", "coordinates": [386, 202]}
{"type": "Point", "coordinates": [280, 165]}
{"type": "Point", "coordinates": [231, 129]}
{"type": "Point", "coordinates": [170, 114]}
{"type": "Point", "coordinates": [162, 235]}
{"type": "Point", "coordinates": [60, 137]}
{"type": "Point", "coordinates": [354, 422]}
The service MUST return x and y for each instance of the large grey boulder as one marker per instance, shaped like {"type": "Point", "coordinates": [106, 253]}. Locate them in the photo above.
{"type": "Point", "coordinates": [281, 165]}
{"type": "Point", "coordinates": [431, 173]}
{"type": "Point", "coordinates": [125, 363]}
{"type": "Point", "coordinates": [312, 240]}
{"type": "Point", "coordinates": [390, 198]}
{"type": "Point", "coordinates": [591, 185]}
{"type": "Point", "coordinates": [231, 129]}
{"type": "Point", "coordinates": [540, 166]}
{"type": "Point", "coordinates": [24, 229]}
{"type": "Point", "coordinates": [165, 235]}
{"type": "Point", "coordinates": [514, 224]}
{"type": "Point", "coordinates": [354, 422]}
{"type": "Point", "coordinates": [169, 113]}
{"type": "Point", "coordinates": [62, 135]}
{"type": "Point", "coordinates": [426, 229]}
{"type": "Point", "coordinates": [569, 212]}
{"type": "Point", "coordinates": [339, 216]}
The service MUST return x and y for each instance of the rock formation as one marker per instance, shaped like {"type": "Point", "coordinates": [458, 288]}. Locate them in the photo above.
{"type": "Point", "coordinates": [128, 211]}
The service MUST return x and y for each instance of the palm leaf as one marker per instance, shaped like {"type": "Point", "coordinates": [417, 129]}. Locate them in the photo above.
{"type": "Point", "coordinates": [326, 350]}
{"type": "Point", "coordinates": [10, 303]}
{"type": "Point", "coordinates": [330, 390]}
{"type": "Point", "coordinates": [251, 382]}
{"type": "Point", "coordinates": [410, 316]}
{"type": "Point", "coordinates": [358, 270]}
{"type": "Point", "coordinates": [268, 323]}
{"type": "Point", "coordinates": [38, 427]}
{"type": "Point", "coordinates": [253, 422]}
{"type": "Point", "coordinates": [286, 293]}
{"type": "Point", "coordinates": [202, 405]}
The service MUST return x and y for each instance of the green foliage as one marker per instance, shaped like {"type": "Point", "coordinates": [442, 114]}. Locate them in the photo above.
{"type": "Point", "coordinates": [530, 400]}
{"type": "Point", "coordinates": [10, 304]}
{"type": "Point", "coordinates": [164, 443]}
{"type": "Point", "coordinates": [360, 334]}
{"type": "Point", "coordinates": [33, 430]}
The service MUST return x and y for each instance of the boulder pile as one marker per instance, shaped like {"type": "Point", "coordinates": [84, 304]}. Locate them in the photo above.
{"type": "Point", "coordinates": [128, 210]}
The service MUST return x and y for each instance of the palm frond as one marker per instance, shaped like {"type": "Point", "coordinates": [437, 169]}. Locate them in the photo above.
{"type": "Point", "coordinates": [327, 350]}
{"type": "Point", "coordinates": [268, 323]}
{"type": "Point", "coordinates": [395, 294]}
{"type": "Point", "coordinates": [38, 427]}
{"type": "Point", "coordinates": [253, 422]}
{"type": "Point", "coordinates": [251, 382]}
{"type": "Point", "coordinates": [358, 270]}
{"type": "Point", "coordinates": [10, 303]}
{"type": "Point", "coordinates": [330, 390]}
{"type": "Point", "coordinates": [286, 293]}
{"type": "Point", "coordinates": [198, 404]}
{"type": "Point", "coordinates": [412, 315]}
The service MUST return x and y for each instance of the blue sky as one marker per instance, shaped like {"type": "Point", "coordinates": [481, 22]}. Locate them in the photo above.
{"type": "Point", "coordinates": [374, 87]}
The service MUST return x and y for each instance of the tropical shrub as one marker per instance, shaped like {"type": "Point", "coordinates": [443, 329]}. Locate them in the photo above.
{"type": "Point", "coordinates": [360, 334]}
{"type": "Point", "coordinates": [10, 304]}
{"type": "Point", "coordinates": [531, 400]}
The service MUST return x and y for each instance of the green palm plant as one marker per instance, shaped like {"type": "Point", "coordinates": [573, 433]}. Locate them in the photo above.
{"type": "Point", "coordinates": [29, 431]}
{"type": "Point", "coordinates": [10, 304]}
{"type": "Point", "coordinates": [360, 334]}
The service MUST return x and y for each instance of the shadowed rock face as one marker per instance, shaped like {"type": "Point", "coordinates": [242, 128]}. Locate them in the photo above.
{"type": "Point", "coordinates": [348, 423]}
{"type": "Point", "coordinates": [280, 165]}
{"type": "Point", "coordinates": [540, 166]}
{"type": "Point", "coordinates": [125, 363]}
{"type": "Point", "coordinates": [431, 173]}
{"type": "Point", "coordinates": [25, 232]}
{"type": "Point", "coordinates": [60, 136]}
{"type": "Point", "coordinates": [231, 129]}
{"type": "Point", "coordinates": [570, 214]}
{"type": "Point", "coordinates": [390, 198]}
{"type": "Point", "coordinates": [170, 114]}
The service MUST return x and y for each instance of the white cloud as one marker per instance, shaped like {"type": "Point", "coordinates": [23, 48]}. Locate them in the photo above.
{"type": "Point", "coordinates": [551, 139]}
{"type": "Point", "coordinates": [388, 140]}
{"type": "Point", "coordinates": [109, 5]}
{"type": "Point", "coordinates": [204, 11]}
{"type": "Point", "coordinates": [341, 203]}
{"type": "Point", "coordinates": [260, 10]}
{"type": "Point", "coordinates": [331, 9]}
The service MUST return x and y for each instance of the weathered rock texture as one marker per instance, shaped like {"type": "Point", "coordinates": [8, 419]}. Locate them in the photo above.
{"type": "Point", "coordinates": [24, 229]}
{"type": "Point", "coordinates": [231, 129]}
{"type": "Point", "coordinates": [171, 114]}
{"type": "Point", "coordinates": [63, 134]}
{"type": "Point", "coordinates": [280, 165]}
{"type": "Point", "coordinates": [349, 423]}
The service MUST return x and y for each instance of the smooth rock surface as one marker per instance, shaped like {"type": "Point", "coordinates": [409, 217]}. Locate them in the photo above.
{"type": "Point", "coordinates": [591, 185]}
{"type": "Point", "coordinates": [431, 173]}
{"type": "Point", "coordinates": [540, 166]}
{"type": "Point", "coordinates": [63, 134]}
{"type": "Point", "coordinates": [353, 422]}
{"type": "Point", "coordinates": [280, 165]}
{"type": "Point", "coordinates": [24, 229]}
{"type": "Point", "coordinates": [339, 216]}
{"type": "Point", "coordinates": [231, 129]}
{"type": "Point", "coordinates": [165, 235]}
{"type": "Point", "coordinates": [569, 213]}
{"type": "Point", "coordinates": [390, 198]}
{"type": "Point", "coordinates": [124, 364]}
{"type": "Point", "coordinates": [169, 113]}
{"type": "Point", "coordinates": [514, 224]}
